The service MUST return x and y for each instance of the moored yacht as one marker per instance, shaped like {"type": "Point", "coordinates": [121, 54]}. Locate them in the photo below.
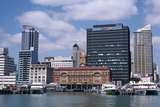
{"type": "Point", "coordinates": [109, 89]}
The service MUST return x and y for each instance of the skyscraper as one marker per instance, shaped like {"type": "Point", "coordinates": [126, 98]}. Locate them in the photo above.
{"type": "Point", "coordinates": [143, 52]}
{"type": "Point", "coordinates": [76, 55]}
{"type": "Point", "coordinates": [79, 56]}
{"type": "Point", "coordinates": [30, 37]}
{"type": "Point", "coordinates": [28, 54]}
{"type": "Point", "coordinates": [109, 45]}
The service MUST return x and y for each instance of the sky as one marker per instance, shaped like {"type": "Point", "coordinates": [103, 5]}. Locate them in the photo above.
{"type": "Point", "coordinates": [62, 23]}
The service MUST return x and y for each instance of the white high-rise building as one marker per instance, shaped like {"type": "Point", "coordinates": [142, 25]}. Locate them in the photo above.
{"type": "Point", "coordinates": [143, 52]}
{"type": "Point", "coordinates": [7, 64]}
{"type": "Point", "coordinates": [7, 68]}
{"type": "Point", "coordinates": [25, 57]}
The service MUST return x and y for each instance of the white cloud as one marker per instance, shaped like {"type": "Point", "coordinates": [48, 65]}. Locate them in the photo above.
{"type": "Point", "coordinates": [15, 39]}
{"type": "Point", "coordinates": [46, 23]}
{"type": "Point", "coordinates": [102, 10]}
{"type": "Point", "coordinates": [153, 12]}
{"type": "Point", "coordinates": [7, 39]}
{"type": "Point", "coordinates": [94, 9]}
{"type": "Point", "coordinates": [59, 33]}
{"type": "Point", "coordinates": [55, 34]}
{"type": "Point", "coordinates": [3, 36]}
{"type": "Point", "coordinates": [58, 2]}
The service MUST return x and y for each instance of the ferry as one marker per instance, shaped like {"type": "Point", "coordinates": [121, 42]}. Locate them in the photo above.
{"type": "Point", "coordinates": [144, 88]}
{"type": "Point", "coordinates": [109, 89]}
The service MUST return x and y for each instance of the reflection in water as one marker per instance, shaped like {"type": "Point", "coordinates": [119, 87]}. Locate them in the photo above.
{"type": "Point", "coordinates": [148, 101]}
{"type": "Point", "coordinates": [78, 100]}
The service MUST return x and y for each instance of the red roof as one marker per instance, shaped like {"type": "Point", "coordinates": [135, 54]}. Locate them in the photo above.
{"type": "Point", "coordinates": [81, 68]}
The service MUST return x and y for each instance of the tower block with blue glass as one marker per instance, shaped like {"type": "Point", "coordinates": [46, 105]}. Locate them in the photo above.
{"type": "Point", "coordinates": [28, 54]}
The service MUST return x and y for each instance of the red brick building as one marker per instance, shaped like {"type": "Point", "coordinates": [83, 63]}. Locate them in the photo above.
{"type": "Point", "coordinates": [81, 78]}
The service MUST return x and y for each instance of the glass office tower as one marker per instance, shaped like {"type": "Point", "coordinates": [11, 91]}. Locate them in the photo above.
{"type": "Point", "coordinates": [109, 45]}
{"type": "Point", "coordinates": [28, 54]}
{"type": "Point", "coordinates": [30, 37]}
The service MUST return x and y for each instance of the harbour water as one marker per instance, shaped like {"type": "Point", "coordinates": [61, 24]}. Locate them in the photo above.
{"type": "Point", "coordinates": [78, 100]}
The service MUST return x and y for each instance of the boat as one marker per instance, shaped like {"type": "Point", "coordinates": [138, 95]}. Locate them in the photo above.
{"type": "Point", "coordinates": [109, 89]}
{"type": "Point", "coordinates": [37, 88]}
{"type": "Point", "coordinates": [144, 88]}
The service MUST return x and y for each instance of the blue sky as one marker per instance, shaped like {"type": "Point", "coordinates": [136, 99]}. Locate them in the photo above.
{"type": "Point", "coordinates": [63, 22]}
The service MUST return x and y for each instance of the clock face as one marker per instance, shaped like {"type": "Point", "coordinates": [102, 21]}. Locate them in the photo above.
{"type": "Point", "coordinates": [64, 74]}
{"type": "Point", "coordinates": [97, 74]}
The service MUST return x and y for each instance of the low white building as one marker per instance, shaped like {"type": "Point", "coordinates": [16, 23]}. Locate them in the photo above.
{"type": "Point", "coordinates": [58, 62]}
{"type": "Point", "coordinates": [7, 80]}
{"type": "Point", "coordinates": [40, 74]}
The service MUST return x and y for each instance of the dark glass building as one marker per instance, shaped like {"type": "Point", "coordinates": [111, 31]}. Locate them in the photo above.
{"type": "Point", "coordinates": [30, 39]}
{"type": "Point", "coordinates": [28, 54]}
{"type": "Point", "coordinates": [109, 45]}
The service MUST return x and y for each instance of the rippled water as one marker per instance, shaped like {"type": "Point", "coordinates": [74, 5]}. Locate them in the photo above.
{"type": "Point", "coordinates": [78, 100]}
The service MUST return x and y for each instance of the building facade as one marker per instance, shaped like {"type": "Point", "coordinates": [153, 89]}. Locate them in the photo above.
{"type": "Point", "coordinates": [81, 78]}
{"type": "Point", "coordinates": [109, 45]}
{"type": "Point", "coordinates": [41, 73]}
{"type": "Point", "coordinates": [7, 64]}
{"type": "Point", "coordinates": [57, 62]}
{"type": "Point", "coordinates": [143, 52]}
{"type": "Point", "coordinates": [7, 80]}
{"type": "Point", "coordinates": [82, 58]}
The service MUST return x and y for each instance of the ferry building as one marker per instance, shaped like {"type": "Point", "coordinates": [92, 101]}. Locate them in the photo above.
{"type": "Point", "coordinates": [83, 78]}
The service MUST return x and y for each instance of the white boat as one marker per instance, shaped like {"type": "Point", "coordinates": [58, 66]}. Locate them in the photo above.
{"type": "Point", "coordinates": [109, 89]}
{"type": "Point", "coordinates": [144, 88]}
{"type": "Point", "coordinates": [37, 88]}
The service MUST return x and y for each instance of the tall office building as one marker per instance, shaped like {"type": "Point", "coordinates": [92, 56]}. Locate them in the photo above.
{"type": "Point", "coordinates": [143, 52]}
{"type": "Point", "coordinates": [30, 39]}
{"type": "Point", "coordinates": [76, 55]}
{"type": "Point", "coordinates": [109, 45]}
{"type": "Point", "coordinates": [7, 64]}
{"type": "Point", "coordinates": [79, 56]}
{"type": "Point", "coordinates": [28, 54]}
